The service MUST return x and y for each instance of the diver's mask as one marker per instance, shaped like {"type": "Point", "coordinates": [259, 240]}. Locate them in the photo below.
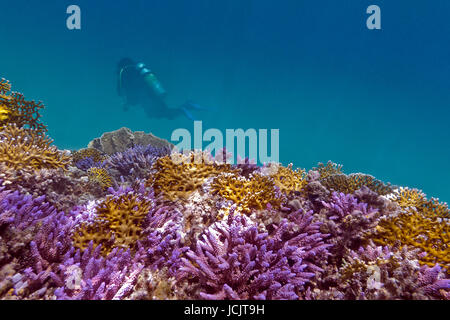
{"type": "Point", "coordinates": [151, 80]}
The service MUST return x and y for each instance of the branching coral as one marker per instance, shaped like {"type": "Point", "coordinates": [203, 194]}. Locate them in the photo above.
{"type": "Point", "coordinates": [118, 224]}
{"type": "Point", "coordinates": [348, 221]}
{"type": "Point", "coordinates": [64, 189]}
{"type": "Point", "coordinates": [411, 227]}
{"type": "Point", "coordinates": [234, 260]}
{"type": "Point", "coordinates": [25, 149]}
{"type": "Point", "coordinates": [352, 182]}
{"type": "Point", "coordinates": [16, 110]}
{"type": "Point", "coordinates": [87, 158]}
{"type": "Point", "coordinates": [135, 162]}
{"type": "Point", "coordinates": [287, 179]}
{"type": "Point", "coordinates": [383, 273]}
{"type": "Point", "coordinates": [414, 198]}
{"type": "Point", "coordinates": [177, 179]}
{"type": "Point", "coordinates": [100, 176]}
{"type": "Point", "coordinates": [256, 192]}
{"type": "Point", "coordinates": [327, 170]}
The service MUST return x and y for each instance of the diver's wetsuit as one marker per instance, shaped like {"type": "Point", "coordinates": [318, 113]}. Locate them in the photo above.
{"type": "Point", "coordinates": [136, 91]}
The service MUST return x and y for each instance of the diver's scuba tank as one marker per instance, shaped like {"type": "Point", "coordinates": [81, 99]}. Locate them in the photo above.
{"type": "Point", "coordinates": [151, 80]}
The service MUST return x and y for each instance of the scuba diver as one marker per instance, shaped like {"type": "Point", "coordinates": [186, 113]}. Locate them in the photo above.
{"type": "Point", "coordinates": [139, 86]}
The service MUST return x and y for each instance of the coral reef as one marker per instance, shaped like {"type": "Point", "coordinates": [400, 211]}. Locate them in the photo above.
{"type": "Point", "coordinates": [100, 176]}
{"type": "Point", "coordinates": [14, 109]}
{"type": "Point", "coordinates": [135, 162]}
{"type": "Point", "coordinates": [255, 192]}
{"type": "Point", "coordinates": [234, 260]}
{"type": "Point", "coordinates": [22, 149]}
{"type": "Point", "coordinates": [178, 178]}
{"type": "Point", "coordinates": [129, 218]}
{"type": "Point", "coordinates": [352, 182]}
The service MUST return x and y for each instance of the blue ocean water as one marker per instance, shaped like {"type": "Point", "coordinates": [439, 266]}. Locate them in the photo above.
{"type": "Point", "coordinates": [376, 101]}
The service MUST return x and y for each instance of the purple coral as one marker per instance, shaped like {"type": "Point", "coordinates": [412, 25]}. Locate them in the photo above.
{"type": "Point", "coordinates": [22, 211]}
{"type": "Point", "coordinates": [88, 162]}
{"type": "Point", "coordinates": [136, 161]}
{"type": "Point", "coordinates": [342, 205]}
{"type": "Point", "coordinates": [235, 260]}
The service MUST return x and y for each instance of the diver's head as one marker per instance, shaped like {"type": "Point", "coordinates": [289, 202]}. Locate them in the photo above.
{"type": "Point", "coordinates": [123, 63]}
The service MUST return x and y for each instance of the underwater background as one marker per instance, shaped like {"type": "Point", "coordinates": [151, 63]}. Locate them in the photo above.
{"type": "Point", "coordinates": [376, 101]}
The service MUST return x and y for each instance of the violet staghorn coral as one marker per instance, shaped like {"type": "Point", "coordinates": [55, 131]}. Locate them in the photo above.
{"type": "Point", "coordinates": [235, 260]}
{"type": "Point", "coordinates": [379, 273]}
{"type": "Point", "coordinates": [135, 162]}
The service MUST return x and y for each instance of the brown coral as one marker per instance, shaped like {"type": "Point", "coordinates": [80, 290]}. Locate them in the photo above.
{"type": "Point", "coordinates": [26, 149]}
{"type": "Point", "coordinates": [17, 110]}
{"type": "Point", "coordinates": [118, 224]}
{"type": "Point", "coordinates": [177, 179]}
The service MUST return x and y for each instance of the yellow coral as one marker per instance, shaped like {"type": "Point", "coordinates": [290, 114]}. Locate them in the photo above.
{"type": "Point", "coordinates": [176, 178]}
{"type": "Point", "coordinates": [26, 149]}
{"type": "Point", "coordinates": [5, 114]}
{"type": "Point", "coordinates": [21, 112]}
{"type": "Point", "coordinates": [406, 197]}
{"type": "Point", "coordinates": [118, 224]}
{"type": "Point", "coordinates": [289, 180]}
{"type": "Point", "coordinates": [100, 176]}
{"type": "Point", "coordinates": [418, 229]}
{"type": "Point", "coordinates": [255, 192]}
{"type": "Point", "coordinates": [352, 182]}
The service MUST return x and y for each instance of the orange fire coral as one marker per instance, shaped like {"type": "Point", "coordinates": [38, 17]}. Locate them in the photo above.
{"type": "Point", "coordinates": [117, 224]}
{"type": "Point", "coordinates": [420, 230]}
{"type": "Point", "coordinates": [352, 182]}
{"type": "Point", "coordinates": [26, 149]}
{"type": "Point", "coordinates": [20, 112]}
{"type": "Point", "coordinates": [100, 176]}
{"type": "Point", "coordinates": [253, 193]}
{"type": "Point", "coordinates": [178, 179]}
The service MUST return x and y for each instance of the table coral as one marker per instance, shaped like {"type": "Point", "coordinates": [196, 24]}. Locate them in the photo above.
{"type": "Point", "coordinates": [25, 149]}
